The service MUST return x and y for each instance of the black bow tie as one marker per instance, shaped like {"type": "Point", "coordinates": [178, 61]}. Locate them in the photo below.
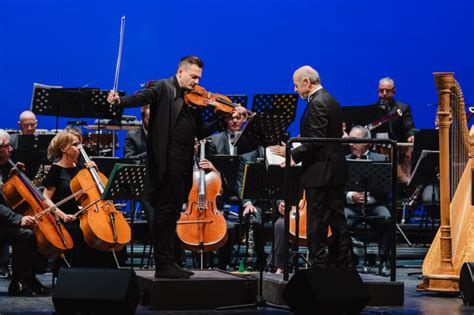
{"type": "Point", "coordinates": [355, 157]}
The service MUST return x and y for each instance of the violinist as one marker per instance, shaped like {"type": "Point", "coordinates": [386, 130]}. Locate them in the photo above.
{"type": "Point", "coordinates": [64, 149]}
{"type": "Point", "coordinates": [172, 129]}
{"type": "Point", "coordinates": [16, 228]}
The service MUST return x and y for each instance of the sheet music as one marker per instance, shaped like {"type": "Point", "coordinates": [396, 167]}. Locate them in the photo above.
{"type": "Point", "coordinates": [273, 159]}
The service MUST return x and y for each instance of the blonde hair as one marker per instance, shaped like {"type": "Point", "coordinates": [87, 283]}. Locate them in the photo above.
{"type": "Point", "coordinates": [61, 141]}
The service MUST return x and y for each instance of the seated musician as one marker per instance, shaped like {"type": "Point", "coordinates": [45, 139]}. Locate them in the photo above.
{"type": "Point", "coordinates": [222, 143]}
{"type": "Point", "coordinates": [64, 149]}
{"type": "Point", "coordinates": [376, 204]}
{"type": "Point", "coordinates": [16, 228]}
{"type": "Point", "coordinates": [27, 124]}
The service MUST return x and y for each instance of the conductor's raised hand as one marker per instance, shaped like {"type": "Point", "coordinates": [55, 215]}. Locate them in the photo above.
{"type": "Point", "coordinates": [113, 98]}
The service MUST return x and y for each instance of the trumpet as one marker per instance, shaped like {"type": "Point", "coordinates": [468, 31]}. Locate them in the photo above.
{"type": "Point", "coordinates": [384, 119]}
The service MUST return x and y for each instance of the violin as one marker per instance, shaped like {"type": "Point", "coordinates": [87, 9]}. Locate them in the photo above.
{"type": "Point", "coordinates": [202, 226]}
{"type": "Point", "coordinates": [220, 103]}
{"type": "Point", "coordinates": [104, 228]}
{"type": "Point", "coordinates": [52, 238]}
{"type": "Point", "coordinates": [302, 235]}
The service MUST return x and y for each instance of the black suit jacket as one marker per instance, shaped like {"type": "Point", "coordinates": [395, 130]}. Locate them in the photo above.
{"type": "Point", "coordinates": [135, 145]}
{"type": "Point", "coordinates": [166, 101]}
{"type": "Point", "coordinates": [219, 144]}
{"type": "Point", "coordinates": [322, 164]}
{"type": "Point", "coordinates": [403, 127]}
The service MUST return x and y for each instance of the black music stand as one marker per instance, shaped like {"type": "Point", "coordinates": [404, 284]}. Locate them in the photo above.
{"type": "Point", "coordinates": [126, 182]}
{"type": "Point", "coordinates": [31, 150]}
{"type": "Point", "coordinates": [426, 139]}
{"type": "Point", "coordinates": [369, 176]}
{"type": "Point", "coordinates": [106, 163]}
{"type": "Point", "coordinates": [263, 129]}
{"type": "Point", "coordinates": [425, 173]}
{"type": "Point", "coordinates": [228, 166]}
{"type": "Point", "coordinates": [363, 116]}
{"type": "Point", "coordinates": [73, 102]}
{"type": "Point", "coordinates": [275, 104]}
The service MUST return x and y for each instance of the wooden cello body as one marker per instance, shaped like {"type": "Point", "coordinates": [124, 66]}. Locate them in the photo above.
{"type": "Point", "coordinates": [52, 238]}
{"type": "Point", "coordinates": [202, 226]}
{"type": "Point", "coordinates": [104, 228]}
{"type": "Point", "coordinates": [453, 243]}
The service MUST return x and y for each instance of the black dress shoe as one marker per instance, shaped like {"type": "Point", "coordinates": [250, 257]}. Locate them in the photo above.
{"type": "Point", "coordinates": [18, 288]}
{"type": "Point", "coordinates": [37, 287]}
{"type": "Point", "coordinates": [185, 270]}
{"type": "Point", "coordinates": [384, 269]}
{"type": "Point", "coordinates": [170, 271]}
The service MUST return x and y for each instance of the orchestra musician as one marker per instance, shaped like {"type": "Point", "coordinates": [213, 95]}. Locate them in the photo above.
{"type": "Point", "coordinates": [223, 143]}
{"type": "Point", "coordinates": [324, 172]}
{"type": "Point", "coordinates": [376, 204]}
{"type": "Point", "coordinates": [170, 145]}
{"type": "Point", "coordinates": [15, 228]}
{"type": "Point", "coordinates": [27, 124]}
{"type": "Point", "coordinates": [64, 149]}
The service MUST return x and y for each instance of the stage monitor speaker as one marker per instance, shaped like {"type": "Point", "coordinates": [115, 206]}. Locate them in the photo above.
{"type": "Point", "coordinates": [326, 291]}
{"type": "Point", "coordinates": [97, 291]}
{"type": "Point", "coordinates": [466, 283]}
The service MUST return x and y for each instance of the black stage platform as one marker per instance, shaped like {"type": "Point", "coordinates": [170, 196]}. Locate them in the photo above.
{"type": "Point", "coordinates": [218, 288]}
{"type": "Point", "coordinates": [206, 289]}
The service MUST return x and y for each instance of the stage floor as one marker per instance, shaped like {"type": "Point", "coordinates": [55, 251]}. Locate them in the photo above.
{"type": "Point", "coordinates": [415, 302]}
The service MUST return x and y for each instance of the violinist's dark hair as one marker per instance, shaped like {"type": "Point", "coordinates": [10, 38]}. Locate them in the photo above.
{"type": "Point", "coordinates": [191, 60]}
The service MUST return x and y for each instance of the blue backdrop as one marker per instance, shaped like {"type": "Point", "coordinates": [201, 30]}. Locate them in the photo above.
{"type": "Point", "coordinates": [248, 47]}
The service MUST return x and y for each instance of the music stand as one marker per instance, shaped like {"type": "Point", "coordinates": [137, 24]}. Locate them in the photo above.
{"type": "Point", "coordinates": [31, 150]}
{"type": "Point", "coordinates": [126, 182]}
{"type": "Point", "coordinates": [228, 166]}
{"type": "Point", "coordinates": [275, 104]}
{"type": "Point", "coordinates": [73, 102]}
{"type": "Point", "coordinates": [106, 163]}
{"type": "Point", "coordinates": [364, 115]}
{"type": "Point", "coordinates": [263, 129]}
{"type": "Point", "coordinates": [426, 139]}
{"type": "Point", "coordinates": [369, 176]}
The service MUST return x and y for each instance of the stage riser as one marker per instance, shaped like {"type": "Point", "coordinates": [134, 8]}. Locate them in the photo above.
{"type": "Point", "coordinates": [380, 293]}
{"type": "Point", "coordinates": [205, 290]}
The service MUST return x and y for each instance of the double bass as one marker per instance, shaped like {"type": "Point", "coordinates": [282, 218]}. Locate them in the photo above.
{"type": "Point", "coordinates": [52, 238]}
{"type": "Point", "coordinates": [104, 228]}
{"type": "Point", "coordinates": [202, 226]}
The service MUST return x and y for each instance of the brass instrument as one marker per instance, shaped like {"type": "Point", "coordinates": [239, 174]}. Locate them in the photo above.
{"type": "Point", "coordinates": [454, 242]}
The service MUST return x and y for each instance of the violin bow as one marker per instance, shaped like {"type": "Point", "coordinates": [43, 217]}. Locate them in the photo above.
{"type": "Point", "coordinates": [119, 56]}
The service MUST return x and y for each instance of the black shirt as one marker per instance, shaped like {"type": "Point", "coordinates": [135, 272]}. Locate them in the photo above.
{"type": "Point", "coordinates": [60, 178]}
{"type": "Point", "coordinates": [183, 134]}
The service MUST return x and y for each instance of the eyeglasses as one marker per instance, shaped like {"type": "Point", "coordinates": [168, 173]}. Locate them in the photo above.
{"type": "Point", "coordinates": [386, 90]}
{"type": "Point", "coordinates": [5, 145]}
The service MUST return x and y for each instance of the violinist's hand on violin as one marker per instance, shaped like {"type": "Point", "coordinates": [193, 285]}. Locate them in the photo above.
{"type": "Point", "coordinates": [113, 98]}
{"type": "Point", "coordinates": [240, 110]}
{"type": "Point", "coordinates": [249, 209]}
{"type": "Point", "coordinates": [27, 221]}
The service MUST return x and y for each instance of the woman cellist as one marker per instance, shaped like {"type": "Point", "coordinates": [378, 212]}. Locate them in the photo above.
{"type": "Point", "coordinates": [64, 149]}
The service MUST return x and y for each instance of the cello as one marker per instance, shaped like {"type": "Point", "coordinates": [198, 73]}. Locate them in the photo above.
{"type": "Point", "coordinates": [302, 236]}
{"type": "Point", "coordinates": [202, 226]}
{"type": "Point", "coordinates": [104, 228]}
{"type": "Point", "coordinates": [25, 198]}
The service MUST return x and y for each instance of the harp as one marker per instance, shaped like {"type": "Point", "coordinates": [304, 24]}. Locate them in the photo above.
{"type": "Point", "coordinates": [454, 242]}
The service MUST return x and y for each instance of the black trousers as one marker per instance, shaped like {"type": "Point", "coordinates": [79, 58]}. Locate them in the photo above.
{"type": "Point", "coordinates": [168, 203]}
{"type": "Point", "coordinates": [325, 208]}
{"type": "Point", "coordinates": [24, 249]}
